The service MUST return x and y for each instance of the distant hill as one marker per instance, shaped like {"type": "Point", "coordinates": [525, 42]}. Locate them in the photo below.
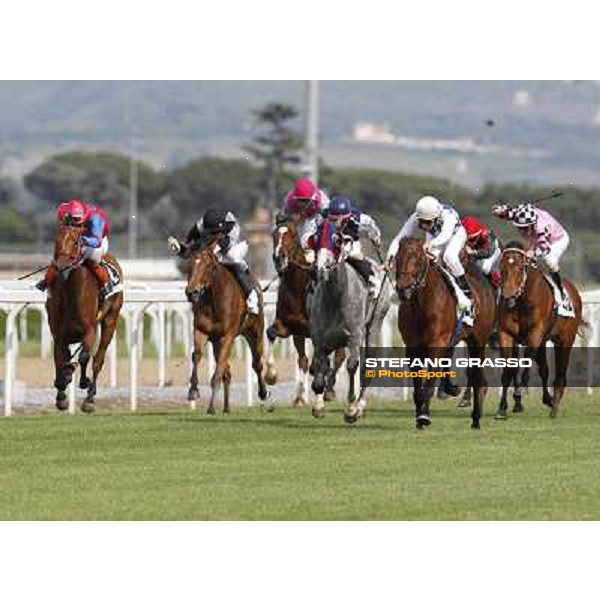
{"type": "Point", "coordinates": [555, 122]}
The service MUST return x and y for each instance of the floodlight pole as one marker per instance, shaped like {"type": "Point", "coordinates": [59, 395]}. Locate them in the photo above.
{"type": "Point", "coordinates": [312, 129]}
{"type": "Point", "coordinates": [133, 197]}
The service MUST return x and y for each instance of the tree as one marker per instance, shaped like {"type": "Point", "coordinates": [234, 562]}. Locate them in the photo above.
{"type": "Point", "coordinates": [278, 147]}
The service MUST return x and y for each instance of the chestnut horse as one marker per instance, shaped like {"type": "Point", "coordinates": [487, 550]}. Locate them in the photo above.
{"type": "Point", "coordinates": [427, 322]}
{"type": "Point", "coordinates": [219, 308]}
{"type": "Point", "coordinates": [291, 317]}
{"type": "Point", "coordinates": [526, 316]}
{"type": "Point", "coordinates": [74, 314]}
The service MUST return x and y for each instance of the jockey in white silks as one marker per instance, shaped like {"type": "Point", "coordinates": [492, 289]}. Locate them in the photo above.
{"type": "Point", "coordinates": [231, 249]}
{"type": "Point", "coordinates": [445, 237]}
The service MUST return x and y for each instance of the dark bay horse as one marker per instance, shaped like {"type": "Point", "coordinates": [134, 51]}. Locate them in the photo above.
{"type": "Point", "coordinates": [427, 322]}
{"type": "Point", "coordinates": [526, 316]}
{"type": "Point", "coordinates": [291, 317]}
{"type": "Point", "coordinates": [219, 308]}
{"type": "Point", "coordinates": [74, 314]}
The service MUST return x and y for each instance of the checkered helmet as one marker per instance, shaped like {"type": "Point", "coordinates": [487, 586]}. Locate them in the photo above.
{"type": "Point", "coordinates": [525, 215]}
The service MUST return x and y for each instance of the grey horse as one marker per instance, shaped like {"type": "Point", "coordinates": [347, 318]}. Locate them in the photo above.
{"type": "Point", "coordinates": [340, 313]}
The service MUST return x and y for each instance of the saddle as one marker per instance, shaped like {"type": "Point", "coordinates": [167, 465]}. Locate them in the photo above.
{"type": "Point", "coordinates": [458, 294]}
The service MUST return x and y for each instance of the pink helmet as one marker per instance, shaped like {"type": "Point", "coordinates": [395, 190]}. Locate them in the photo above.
{"type": "Point", "coordinates": [304, 189]}
{"type": "Point", "coordinates": [78, 211]}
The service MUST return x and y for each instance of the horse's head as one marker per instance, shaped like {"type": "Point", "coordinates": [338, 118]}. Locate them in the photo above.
{"type": "Point", "coordinates": [412, 265]}
{"type": "Point", "coordinates": [328, 255]}
{"type": "Point", "coordinates": [67, 249]}
{"type": "Point", "coordinates": [202, 265]}
{"type": "Point", "coordinates": [284, 241]}
{"type": "Point", "coordinates": [514, 265]}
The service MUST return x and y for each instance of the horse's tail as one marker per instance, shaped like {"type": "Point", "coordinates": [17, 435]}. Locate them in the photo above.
{"type": "Point", "coordinates": [585, 330]}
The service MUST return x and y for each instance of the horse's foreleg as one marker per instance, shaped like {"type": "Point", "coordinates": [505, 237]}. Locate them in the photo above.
{"type": "Point", "coordinates": [302, 373]}
{"type": "Point", "coordinates": [222, 350]}
{"type": "Point", "coordinates": [226, 383]}
{"type": "Point", "coordinates": [84, 356]}
{"type": "Point", "coordinates": [107, 329]}
{"type": "Point", "coordinates": [277, 329]}
{"type": "Point", "coordinates": [200, 340]}
{"type": "Point", "coordinates": [542, 362]}
{"type": "Point", "coordinates": [562, 354]}
{"type": "Point", "coordinates": [508, 348]}
{"type": "Point", "coordinates": [339, 356]}
{"type": "Point", "coordinates": [63, 374]}
{"type": "Point", "coordinates": [479, 385]}
{"type": "Point", "coordinates": [320, 364]}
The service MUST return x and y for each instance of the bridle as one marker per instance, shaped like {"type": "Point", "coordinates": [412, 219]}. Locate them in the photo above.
{"type": "Point", "coordinates": [511, 300]}
{"type": "Point", "coordinates": [293, 256]}
{"type": "Point", "coordinates": [198, 292]}
{"type": "Point", "coordinates": [75, 262]}
{"type": "Point", "coordinates": [419, 281]}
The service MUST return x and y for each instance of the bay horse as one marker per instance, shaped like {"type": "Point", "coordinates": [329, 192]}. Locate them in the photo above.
{"type": "Point", "coordinates": [291, 317]}
{"type": "Point", "coordinates": [219, 308]}
{"type": "Point", "coordinates": [74, 314]}
{"type": "Point", "coordinates": [526, 316]}
{"type": "Point", "coordinates": [342, 316]}
{"type": "Point", "coordinates": [427, 322]}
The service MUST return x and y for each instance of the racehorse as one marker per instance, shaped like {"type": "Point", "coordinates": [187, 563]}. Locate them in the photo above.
{"type": "Point", "coordinates": [526, 316]}
{"type": "Point", "coordinates": [74, 314]}
{"type": "Point", "coordinates": [291, 317]}
{"type": "Point", "coordinates": [428, 323]}
{"type": "Point", "coordinates": [219, 309]}
{"type": "Point", "coordinates": [342, 316]}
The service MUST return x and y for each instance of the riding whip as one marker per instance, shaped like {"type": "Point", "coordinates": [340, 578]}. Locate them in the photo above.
{"type": "Point", "coordinates": [32, 273]}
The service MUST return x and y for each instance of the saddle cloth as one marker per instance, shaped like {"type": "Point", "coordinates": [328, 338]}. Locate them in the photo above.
{"type": "Point", "coordinates": [116, 284]}
{"type": "Point", "coordinates": [563, 307]}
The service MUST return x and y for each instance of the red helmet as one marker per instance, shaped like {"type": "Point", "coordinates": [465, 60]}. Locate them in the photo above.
{"type": "Point", "coordinates": [77, 211]}
{"type": "Point", "coordinates": [304, 189]}
{"type": "Point", "coordinates": [473, 226]}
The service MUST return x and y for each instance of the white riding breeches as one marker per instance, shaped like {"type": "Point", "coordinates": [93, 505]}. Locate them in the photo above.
{"type": "Point", "coordinates": [95, 255]}
{"type": "Point", "coordinates": [487, 265]}
{"type": "Point", "coordinates": [551, 260]}
{"type": "Point", "coordinates": [236, 254]}
{"type": "Point", "coordinates": [451, 251]}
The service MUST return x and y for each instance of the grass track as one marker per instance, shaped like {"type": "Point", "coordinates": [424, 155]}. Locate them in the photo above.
{"type": "Point", "coordinates": [182, 465]}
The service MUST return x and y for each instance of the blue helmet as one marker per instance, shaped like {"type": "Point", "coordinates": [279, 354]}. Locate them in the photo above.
{"type": "Point", "coordinates": [340, 206]}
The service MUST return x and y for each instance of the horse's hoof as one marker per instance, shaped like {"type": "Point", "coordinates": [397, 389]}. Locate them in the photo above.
{"type": "Point", "coordinates": [518, 407]}
{"type": "Point", "coordinates": [548, 401]}
{"type": "Point", "coordinates": [88, 406]}
{"type": "Point", "coordinates": [210, 410]}
{"type": "Point", "coordinates": [351, 418]}
{"type": "Point", "coordinates": [423, 421]}
{"type": "Point", "coordinates": [500, 415]}
{"type": "Point", "coordinates": [318, 413]}
{"type": "Point", "coordinates": [271, 378]}
{"type": "Point", "coordinates": [329, 396]}
{"type": "Point", "coordinates": [475, 425]}
{"type": "Point", "coordinates": [193, 394]}
{"type": "Point", "coordinates": [298, 402]}
{"type": "Point", "coordinates": [464, 403]}
{"type": "Point", "coordinates": [62, 403]}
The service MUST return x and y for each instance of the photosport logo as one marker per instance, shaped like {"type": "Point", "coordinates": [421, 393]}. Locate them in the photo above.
{"type": "Point", "coordinates": [398, 367]}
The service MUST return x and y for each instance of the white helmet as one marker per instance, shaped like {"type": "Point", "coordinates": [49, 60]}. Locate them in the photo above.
{"type": "Point", "coordinates": [428, 208]}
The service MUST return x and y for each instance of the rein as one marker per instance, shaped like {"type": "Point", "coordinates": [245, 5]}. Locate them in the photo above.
{"type": "Point", "coordinates": [419, 281]}
{"type": "Point", "coordinates": [524, 274]}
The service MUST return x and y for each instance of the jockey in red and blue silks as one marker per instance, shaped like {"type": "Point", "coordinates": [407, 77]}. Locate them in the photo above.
{"type": "Point", "coordinates": [308, 203]}
{"type": "Point", "coordinates": [94, 239]}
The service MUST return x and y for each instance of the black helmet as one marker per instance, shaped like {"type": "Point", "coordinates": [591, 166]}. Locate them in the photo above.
{"type": "Point", "coordinates": [214, 220]}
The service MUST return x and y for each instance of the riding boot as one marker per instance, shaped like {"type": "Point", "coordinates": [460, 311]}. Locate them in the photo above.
{"type": "Point", "coordinates": [463, 284]}
{"type": "Point", "coordinates": [244, 278]}
{"type": "Point", "coordinates": [101, 275]}
{"type": "Point", "coordinates": [558, 282]}
{"type": "Point", "coordinates": [49, 278]}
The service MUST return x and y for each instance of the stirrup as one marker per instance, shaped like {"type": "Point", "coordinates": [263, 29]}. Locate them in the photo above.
{"type": "Point", "coordinates": [42, 285]}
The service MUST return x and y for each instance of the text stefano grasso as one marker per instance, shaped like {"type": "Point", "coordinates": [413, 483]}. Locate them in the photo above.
{"type": "Point", "coordinates": [376, 362]}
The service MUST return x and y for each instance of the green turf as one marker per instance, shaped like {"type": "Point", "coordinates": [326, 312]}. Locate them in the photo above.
{"type": "Point", "coordinates": [286, 465]}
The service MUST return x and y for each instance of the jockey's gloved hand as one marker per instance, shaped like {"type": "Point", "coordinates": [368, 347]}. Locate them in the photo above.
{"type": "Point", "coordinates": [500, 209]}
{"type": "Point", "coordinates": [174, 245]}
{"type": "Point", "coordinates": [309, 256]}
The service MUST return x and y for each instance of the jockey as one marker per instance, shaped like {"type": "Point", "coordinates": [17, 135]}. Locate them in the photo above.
{"type": "Point", "coordinates": [351, 225]}
{"type": "Point", "coordinates": [231, 249]}
{"type": "Point", "coordinates": [307, 202]}
{"type": "Point", "coordinates": [546, 237]}
{"type": "Point", "coordinates": [484, 247]}
{"type": "Point", "coordinates": [445, 236]}
{"type": "Point", "coordinates": [94, 242]}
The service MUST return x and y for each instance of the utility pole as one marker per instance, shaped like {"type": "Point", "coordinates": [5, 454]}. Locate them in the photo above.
{"type": "Point", "coordinates": [133, 186]}
{"type": "Point", "coordinates": [312, 129]}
